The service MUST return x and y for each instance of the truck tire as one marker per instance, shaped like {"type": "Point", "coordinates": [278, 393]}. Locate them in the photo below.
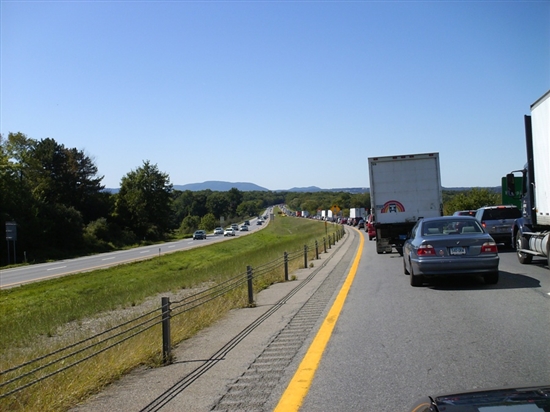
{"type": "Point", "coordinates": [521, 243]}
{"type": "Point", "coordinates": [416, 280]}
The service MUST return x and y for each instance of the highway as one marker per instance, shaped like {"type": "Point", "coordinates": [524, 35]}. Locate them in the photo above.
{"type": "Point", "coordinates": [391, 343]}
{"type": "Point", "coordinates": [32, 273]}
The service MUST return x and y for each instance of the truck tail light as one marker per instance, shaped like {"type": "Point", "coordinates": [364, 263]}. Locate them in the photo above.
{"type": "Point", "coordinates": [425, 250]}
{"type": "Point", "coordinates": [489, 247]}
{"type": "Point", "coordinates": [483, 224]}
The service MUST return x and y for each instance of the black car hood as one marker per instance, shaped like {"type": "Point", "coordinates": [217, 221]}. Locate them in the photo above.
{"type": "Point", "coordinates": [528, 399]}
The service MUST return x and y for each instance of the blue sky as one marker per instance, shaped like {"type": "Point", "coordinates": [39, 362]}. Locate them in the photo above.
{"type": "Point", "coordinates": [278, 93]}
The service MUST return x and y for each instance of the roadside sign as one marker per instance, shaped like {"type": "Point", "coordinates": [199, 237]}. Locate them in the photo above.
{"type": "Point", "coordinates": [11, 231]}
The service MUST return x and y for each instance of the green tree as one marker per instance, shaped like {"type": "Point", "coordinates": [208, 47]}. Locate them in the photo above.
{"type": "Point", "coordinates": [208, 222]}
{"type": "Point", "coordinates": [249, 208]}
{"type": "Point", "coordinates": [199, 206]}
{"type": "Point", "coordinates": [143, 204]}
{"type": "Point", "coordinates": [66, 176]}
{"type": "Point", "coordinates": [235, 197]}
{"type": "Point", "coordinates": [189, 224]}
{"type": "Point", "coordinates": [50, 191]}
{"type": "Point", "coordinates": [182, 204]}
{"type": "Point", "coordinates": [471, 200]}
{"type": "Point", "coordinates": [218, 204]}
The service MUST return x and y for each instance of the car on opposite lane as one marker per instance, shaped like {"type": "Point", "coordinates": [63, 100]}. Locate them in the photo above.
{"type": "Point", "coordinates": [199, 234]}
{"type": "Point", "coordinates": [243, 228]}
{"type": "Point", "coordinates": [218, 231]}
{"type": "Point", "coordinates": [229, 232]}
{"type": "Point", "coordinates": [450, 246]}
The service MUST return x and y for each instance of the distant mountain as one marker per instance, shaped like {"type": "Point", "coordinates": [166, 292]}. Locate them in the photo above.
{"type": "Point", "coordinates": [217, 186]}
{"type": "Point", "coordinates": [313, 189]}
{"type": "Point", "coordinates": [304, 189]}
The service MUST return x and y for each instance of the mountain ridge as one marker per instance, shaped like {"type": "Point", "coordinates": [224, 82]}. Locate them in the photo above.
{"type": "Point", "coordinates": [222, 186]}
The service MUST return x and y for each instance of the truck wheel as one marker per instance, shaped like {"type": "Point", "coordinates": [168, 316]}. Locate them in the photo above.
{"type": "Point", "coordinates": [416, 280]}
{"type": "Point", "coordinates": [491, 278]}
{"type": "Point", "coordinates": [521, 243]}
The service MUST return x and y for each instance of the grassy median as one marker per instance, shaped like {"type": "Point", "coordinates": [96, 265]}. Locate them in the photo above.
{"type": "Point", "coordinates": [35, 317]}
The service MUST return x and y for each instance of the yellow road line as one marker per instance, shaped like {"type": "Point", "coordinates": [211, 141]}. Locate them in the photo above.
{"type": "Point", "coordinates": [300, 383]}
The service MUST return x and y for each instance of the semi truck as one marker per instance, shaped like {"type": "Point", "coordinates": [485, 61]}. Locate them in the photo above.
{"type": "Point", "coordinates": [403, 189]}
{"type": "Point", "coordinates": [531, 232]}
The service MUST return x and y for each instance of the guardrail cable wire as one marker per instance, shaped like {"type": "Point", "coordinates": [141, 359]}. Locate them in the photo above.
{"type": "Point", "coordinates": [154, 318]}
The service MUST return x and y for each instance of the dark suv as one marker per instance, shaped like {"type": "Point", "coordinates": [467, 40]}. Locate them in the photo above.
{"type": "Point", "coordinates": [498, 221]}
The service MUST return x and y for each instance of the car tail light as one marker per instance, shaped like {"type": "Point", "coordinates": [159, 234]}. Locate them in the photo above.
{"type": "Point", "coordinates": [425, 250]}
{"type": "Point", "coordinates": [489, 247]}
{"type": "Point", "coordinates": [483, 224]}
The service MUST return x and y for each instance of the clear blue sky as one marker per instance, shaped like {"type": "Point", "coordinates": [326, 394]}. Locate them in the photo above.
{"type": "Point", "coordinates": [278, 93]}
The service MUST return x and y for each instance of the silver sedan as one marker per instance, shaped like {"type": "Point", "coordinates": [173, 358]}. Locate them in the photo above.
{"type": "Point", "coordinates": [449, 246]}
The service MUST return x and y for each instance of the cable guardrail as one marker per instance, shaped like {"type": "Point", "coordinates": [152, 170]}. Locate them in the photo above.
{"type": "Point", "coordinates": [19, 377]}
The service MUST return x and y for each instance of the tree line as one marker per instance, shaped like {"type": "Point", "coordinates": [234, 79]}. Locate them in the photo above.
{"type": "Point", "coordinates": [55, 197]}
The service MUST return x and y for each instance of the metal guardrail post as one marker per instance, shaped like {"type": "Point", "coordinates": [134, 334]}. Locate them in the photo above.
{"type": "Point", "coordinates": [325, 244]}
{"type": "Point", "coordinates": [316, 250]}
{"type": "Point", "coordinates": [166, 340]}
{"type": "Point", "coordinates": [285, 260]}
{"type": "Point", "coordinates": [334, 238]}
{"type": "Point", "coordinates": [305, 256]}
{"type": "Point", "coordinates": [249, 282]}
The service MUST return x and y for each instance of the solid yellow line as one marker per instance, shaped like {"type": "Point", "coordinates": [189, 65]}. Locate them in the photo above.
{"type": "Point", "coordinates": [297, 389]}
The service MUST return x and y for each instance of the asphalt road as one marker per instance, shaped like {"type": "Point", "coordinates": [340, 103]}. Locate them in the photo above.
{"type": "Point", "coordinates": [32, 273]}
{"type": "Point", "coordinates": [394, 343]}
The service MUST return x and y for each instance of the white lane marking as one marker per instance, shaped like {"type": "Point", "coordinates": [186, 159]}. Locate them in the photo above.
{"type": "Point", "coordinates": [59, 267]}
{"type": "Point", "coordinates": [109, 258]}
{"type": "Point", "coordinates": [145, 251]}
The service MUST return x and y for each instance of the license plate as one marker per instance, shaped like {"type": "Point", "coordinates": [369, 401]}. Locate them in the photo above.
{"type": "Point", "coordinates": [457, 251]}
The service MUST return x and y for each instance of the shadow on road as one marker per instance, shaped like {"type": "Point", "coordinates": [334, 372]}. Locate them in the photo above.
{"type": "Point", "coordinates": [507, 280]}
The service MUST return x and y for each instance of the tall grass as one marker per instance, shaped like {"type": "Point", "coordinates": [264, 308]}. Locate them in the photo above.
{"type": "Point", "coordinates": [35, 317]}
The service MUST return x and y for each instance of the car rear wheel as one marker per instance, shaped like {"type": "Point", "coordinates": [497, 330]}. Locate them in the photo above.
{"type": "Point", "coordinates": [416, 280]}
{"type": "Point", "coordinates": [521, 243]}
{"type": "Point", "coordinates": [491, 278]}
{"type": "Point", "coordinates": [405, 271]}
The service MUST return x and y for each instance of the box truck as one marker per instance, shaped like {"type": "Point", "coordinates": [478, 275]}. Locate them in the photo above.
{"type": "Point", "coordinates": [403, 189]}
{"type": "Point", "coordinates": [531, 232]}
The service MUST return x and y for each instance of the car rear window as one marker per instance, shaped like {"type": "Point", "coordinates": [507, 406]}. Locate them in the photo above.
{"type": "Point", "coordinates": [499, 214]}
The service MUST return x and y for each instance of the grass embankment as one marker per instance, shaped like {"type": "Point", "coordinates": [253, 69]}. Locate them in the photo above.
{"type": "Point", "coordinates": [35, 317]}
